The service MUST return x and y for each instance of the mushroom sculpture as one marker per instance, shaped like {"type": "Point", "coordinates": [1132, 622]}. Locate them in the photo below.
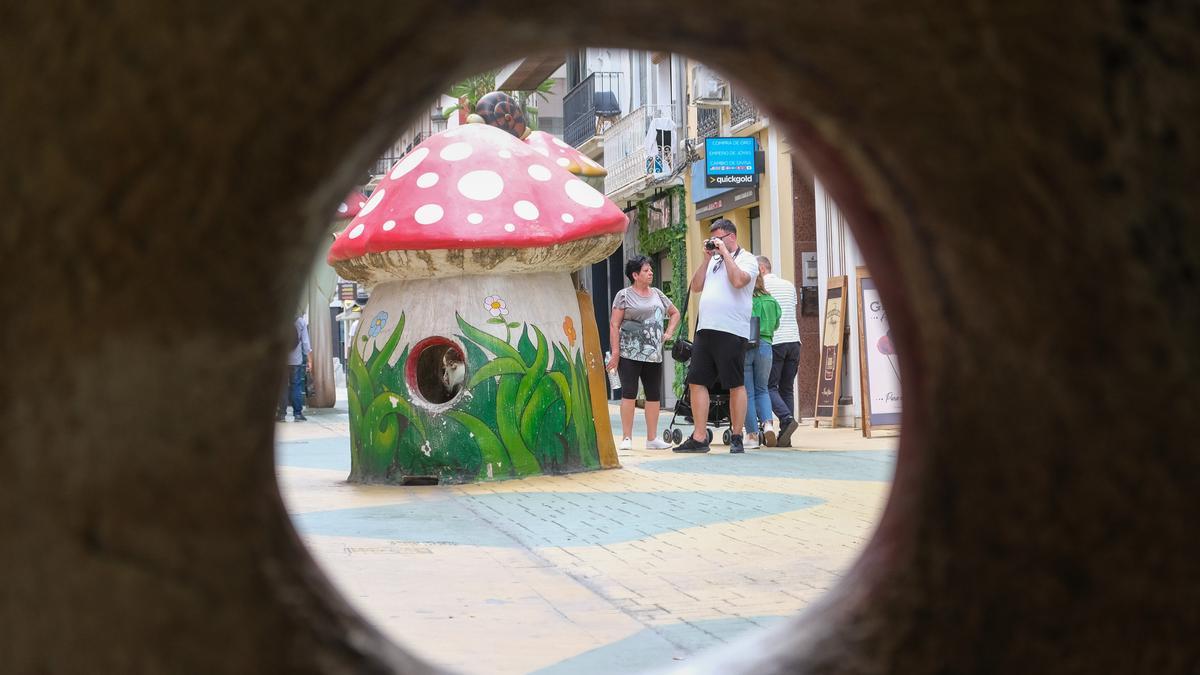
{"type": "Point", "coordinates": [468, 364]}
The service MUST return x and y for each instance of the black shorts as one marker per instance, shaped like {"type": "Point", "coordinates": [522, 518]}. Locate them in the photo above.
{"type": "Point", "coordinates": [717, 356]}
{"type": "Point", "coordinates": [650, 373]}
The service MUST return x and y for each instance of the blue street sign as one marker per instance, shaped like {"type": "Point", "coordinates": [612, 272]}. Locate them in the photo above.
{"type": "Point", "coordinates": [730, 162]}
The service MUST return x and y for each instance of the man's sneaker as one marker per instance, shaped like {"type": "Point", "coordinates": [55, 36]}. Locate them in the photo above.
{"type": "Point", "coordinates": [787, 428]}
{"type": "Point", "coordinates": [735, 445]}
{"type": "Point", "coordinates": [299, 418]}
{"type": "Point", "coordinates": [769, 438]}
{"type": "Point", "coordinates": [751, 444]}
{"type": "Point", "coordinates": [657, 444]}
{"type": "Point", "coordinates": [691, 445]}
{"type": "Point", "coordinates": [626, 444]}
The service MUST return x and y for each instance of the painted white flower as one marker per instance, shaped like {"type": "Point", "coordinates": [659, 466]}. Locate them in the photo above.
{"type": "Point", "coordinates": [496, 305]}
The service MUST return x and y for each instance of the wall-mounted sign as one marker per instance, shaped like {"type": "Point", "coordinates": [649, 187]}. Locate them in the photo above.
{"type": "Point", "coordinates": [730, 162]}
{"type": "Point", "coordinates": [878, 365]}
{"type": "Point", "coordinates": [726, 201]}
{"type": "Point", "coordinates": [347, 290]}
{"type": "Point", "coordinates": [829, 372]}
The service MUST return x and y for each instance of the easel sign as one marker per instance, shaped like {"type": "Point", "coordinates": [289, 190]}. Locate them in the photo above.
{"type": "Point", "coordinates": [829, 372]}
{"type": "Point", "coordinates": [878, 365]}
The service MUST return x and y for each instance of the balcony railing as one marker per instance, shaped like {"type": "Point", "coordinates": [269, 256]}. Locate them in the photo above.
{"type": "Point", "coordinates": [644, 143]}
{"type": "Point", "coordinates": [590, 107]}
{"type": "Point", "coordinates": [708, 122]}
{"type": "Point", "coordinates": [742, 110]}
{"type": "Point", "coordinates": [395, 153]}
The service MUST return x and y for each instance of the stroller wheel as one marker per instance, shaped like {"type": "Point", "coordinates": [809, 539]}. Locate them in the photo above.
{"type": "Point", "coordinates": [677, 436]}
{"type": "Point", "coordinates": [710, 435]}
{"type": "Point", "coordinates": [666, 436]}
{"type": "Point", "coordinates": [725, 437]}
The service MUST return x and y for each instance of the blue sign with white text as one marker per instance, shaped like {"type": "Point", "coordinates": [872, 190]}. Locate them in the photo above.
{"type": "Point", "coordinates": [729, 162]}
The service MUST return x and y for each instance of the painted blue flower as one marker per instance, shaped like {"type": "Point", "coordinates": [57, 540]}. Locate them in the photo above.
{"type": "Point", "coordinates": [378, 324]}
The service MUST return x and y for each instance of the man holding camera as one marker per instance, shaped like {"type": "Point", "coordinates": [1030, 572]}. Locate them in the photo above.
{"type": "Point", "coordinates": [725, 282]}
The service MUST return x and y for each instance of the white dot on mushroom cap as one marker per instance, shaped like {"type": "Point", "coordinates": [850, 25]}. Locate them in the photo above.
{"type": "Point", "coordinates": [584, 194]}
{"type": "Point", "coordinates": [410, 162]}
{"type": "Point", "coordinates": [481, 185]}
{"type": "Point", "coordinates": [544, 151]}
{"type": "Point", "coordinates": [428, 214]}
{"type": "Point", "coordinates": [526, 210]}
{"type": "Point", "coordinates": [389, 226]}
{"type": "Point", "coordinates": [559, 142]}
{"type": "Point", "coordinates": [427, 180]}
{"type": "Point", "coordinates": [455, 151]}
{"type": "Point", "coordinates": [343, 207]}
{"type": "Point", "coordinates": [562, 161]}
{"type": "Point", "coordinates": [504, 154]}
{"type": "Point", "coordinates": [475, 218]}
{"type": "Point", "coordinates": [376, 197]}
{"type": "Point", "coordinates": [538, 172]}
{"type": "Point", "coordinates": [509, 227]}
{"type": "Point", "coordinates": [568, 218]}
{"type": "Point", "coordinates": [358, 229]}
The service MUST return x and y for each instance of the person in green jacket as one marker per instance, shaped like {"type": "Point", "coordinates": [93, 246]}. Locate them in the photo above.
{"type": "Point", "coordinates": [758, 364]}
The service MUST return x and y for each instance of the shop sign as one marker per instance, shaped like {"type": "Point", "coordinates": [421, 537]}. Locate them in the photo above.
{"type": "Point", "coordinates": [730, 162]}
{"type": "Point", "coordinates": [879, 366]}
{"type": "Point", "coordinates": [347, 290]}
{"type": "Point", "coordinates": [726, 201]}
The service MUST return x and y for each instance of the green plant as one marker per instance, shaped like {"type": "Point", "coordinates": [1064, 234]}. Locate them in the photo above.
{"type": "Point", "coordinates": [468, 92]}
{"type": "Point", "coordinates": [378, 413]}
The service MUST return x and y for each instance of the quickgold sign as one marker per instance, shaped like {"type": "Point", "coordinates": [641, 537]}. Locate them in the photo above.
{"type": "Point", "coordinates": [730, 162]}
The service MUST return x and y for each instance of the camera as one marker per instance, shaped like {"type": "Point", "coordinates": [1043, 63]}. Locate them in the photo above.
{"type": "Point", "coordinates": [710, 244]}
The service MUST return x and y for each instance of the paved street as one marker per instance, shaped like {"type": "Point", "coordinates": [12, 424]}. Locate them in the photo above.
{"type": "Point", "coordinates": [610, 571]}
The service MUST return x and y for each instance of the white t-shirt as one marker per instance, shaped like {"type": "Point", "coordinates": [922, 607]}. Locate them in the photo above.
{"type": "Point", "coordinates": [723, 307]}
{"type": "Point", "coordinates": [784, 293]}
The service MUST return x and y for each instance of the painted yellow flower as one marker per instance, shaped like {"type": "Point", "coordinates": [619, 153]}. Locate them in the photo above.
{"type": "Point", "coordinates": [569, 329]}
{"type": "Point", "coordinates": [496, 305]}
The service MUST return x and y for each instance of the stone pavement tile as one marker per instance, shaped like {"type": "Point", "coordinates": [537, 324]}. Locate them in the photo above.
{"type": "Point", "coordinates": [641, 566]}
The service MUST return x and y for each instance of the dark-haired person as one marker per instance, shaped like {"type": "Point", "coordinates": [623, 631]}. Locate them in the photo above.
{"type": "Point", "coordinates": [725, 283]}
{"type": "Point", "coordinates": [636, 333]}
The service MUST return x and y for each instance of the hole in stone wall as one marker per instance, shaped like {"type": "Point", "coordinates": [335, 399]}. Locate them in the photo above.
{"type": "Point", "coordinates": [527, 556]}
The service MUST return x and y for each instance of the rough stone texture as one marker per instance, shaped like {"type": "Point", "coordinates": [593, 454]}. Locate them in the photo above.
{"type": "Point", "coordinates": [1021, 176]}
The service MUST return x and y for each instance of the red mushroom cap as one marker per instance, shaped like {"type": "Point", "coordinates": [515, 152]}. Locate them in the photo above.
{"type": "Point", "coordinates": [470, 188]}
{"type": "Point", "coordinates": [351, 205]}
{"type": "Point", "coordinates": [561, 153]}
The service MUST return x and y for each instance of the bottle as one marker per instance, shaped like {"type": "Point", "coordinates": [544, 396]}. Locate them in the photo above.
{"type": "Point", "coordinates": [614, 380]}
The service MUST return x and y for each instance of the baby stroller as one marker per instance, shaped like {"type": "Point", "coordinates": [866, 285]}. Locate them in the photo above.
{"type": "Point", "coordinates": [718, 414]}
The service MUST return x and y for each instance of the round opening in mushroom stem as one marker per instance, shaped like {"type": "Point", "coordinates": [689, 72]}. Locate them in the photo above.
{"type": "Point", "coordinates": [436, 370]}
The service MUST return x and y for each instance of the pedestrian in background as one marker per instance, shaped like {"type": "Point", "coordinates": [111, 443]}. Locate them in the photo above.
{"type": "Point", "coordinates": [725, 283]}
{"type": "Point", "coordinates": [785, 355]}
{"type": "Point", "coordinates": [758, 364]}
{"type": "Point", "coordinates": [300, 354]}
{"type": "Point", "coordinates": [636, 332]}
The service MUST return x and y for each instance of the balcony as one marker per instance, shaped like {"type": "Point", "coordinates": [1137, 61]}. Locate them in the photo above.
{"type": "Point", "coordinates": [708, 122]}
{"type": "Point", "coordinates": [742, 111]}
{"type": "Point", "coordinates": [591, 107]}
{"type": "Point", "coordinates": [642, 146]}
{"type": "Point", "coordinates": [395, 153]}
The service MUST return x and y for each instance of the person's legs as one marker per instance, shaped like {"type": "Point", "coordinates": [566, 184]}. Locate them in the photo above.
{"type": "Point", "coordinates": [699, 399]}
{"type": "Point", "coordinates": [751, 421]}
{"type": "Point", "coordinates": [297, 388]}
{"type": "Point", "coordinates": [774, 383]}
{"type": "Point", "coordinates": [787, 377]}
{"type": "Point", "coordinates": [627, 371]}
{"type": "Point", "coordinates": [652, 386]}
{"type": "Point", "coordinates": [763, 366]}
